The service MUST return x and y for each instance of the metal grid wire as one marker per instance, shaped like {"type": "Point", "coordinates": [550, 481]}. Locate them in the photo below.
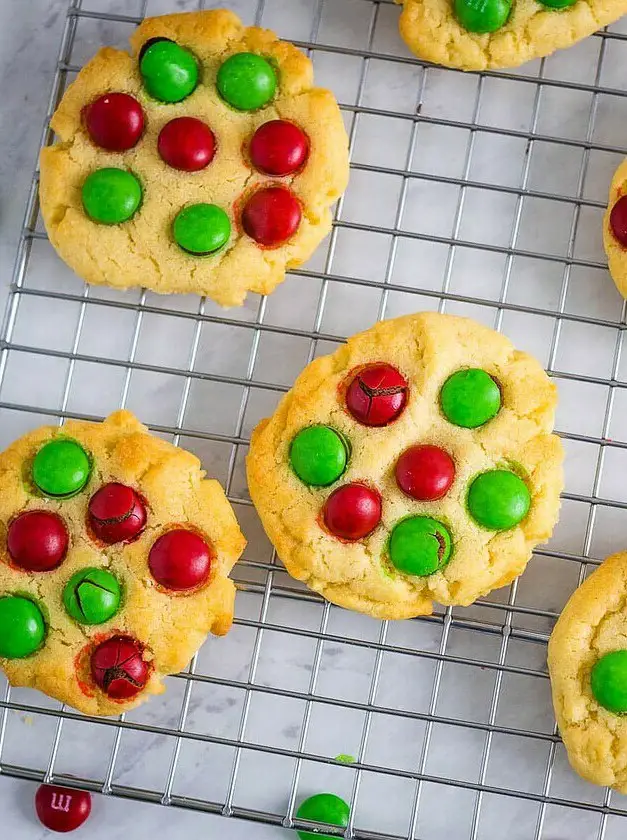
{"type": "Point", "coordinates": [480, 194]}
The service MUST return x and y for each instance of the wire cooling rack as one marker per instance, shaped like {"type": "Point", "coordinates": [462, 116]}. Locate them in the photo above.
{"type": "Point", "coordinates": [480, 194]}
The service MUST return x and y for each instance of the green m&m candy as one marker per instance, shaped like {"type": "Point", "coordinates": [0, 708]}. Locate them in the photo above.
{"type": "Point", "coordinates": [498, 500]}
{"type": "Point", "coordinates": [419, 545]}
{"type": "Point", "coordinates": [482, 15]}
{"type": "Point", "coordinates": [61, 468]}
{"type": "Point", "coordinates": [201, 229]}
{"type": "Point", "coordinates": [608, 681]}
{"type": "Point", "coordinates": [318, 455]}
{"type": "Point", "coordinates": [170, 73]}
{"type": "Point", "coordinates": [111, 196]}
{"type": "Point", "coordinates": [246, 81]}
{"type": "Point", "coordinates": [558, 4]}
{"type": "Point", "coordinates": [22, 627]}
{"type": "Point", "coordinates": [469, 398]}
{"type": "Point", "coordinates": [326, 808]}
{"type": "Point", "coordinates": [92, 596]}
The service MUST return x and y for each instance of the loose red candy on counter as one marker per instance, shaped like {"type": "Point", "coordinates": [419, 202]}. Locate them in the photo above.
{"type": "Point", "coordinates": [352, 512]}
{"type": "Point", "coordinates": [425, 472]}
{"type": "Point", "coordinates": [618, 220]}
{"type": "Point", "coordinates": [180, 560]}
{"type": "Point", "coordinates": [118, 668]}
{"type": "Point", "coordinates": [37, 540]}
{"type": "Point", "coordinates": [186, 143]}
{"type": "Point", "coordinates": [278, 147]}
{"type": "Point", "coordinates": [377, 395]}
{"type": "Point", "coordinates": [271, 216]}
{"type": "Point", "coordinates": [116, 513]}
{"type": "Point", "coordinates": [115, 121]}
{"type": "Point", "coordinates": [62, 809]}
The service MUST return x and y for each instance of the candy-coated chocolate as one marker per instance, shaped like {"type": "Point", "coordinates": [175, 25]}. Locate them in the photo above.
{"type": "Point", "coordinates": [271, 216]}
{"type": "Point", "coordinates": [180, 560]}
{"type": "Point", "coordinates": [62, 809]}
{"type": "Point", "coordinates": [201, 229]}
{"type": "Point", "coordinates": [116, 513]}
{"type": "Point", "coordinates": [246, 81]}
{"type": "Point", "coordinates": [498, 500]}
{"type": "Point", "coordinates": [22, 627]}
{"type": "Point", "coordinates": [170, 73]}
{"type": "Point", "coordinates": [608, 681]}
{"type": "Point", "coordinates": [352, 512]}
{"type": "Point", "coordinates": [419, 545]}
{"type": "Point", "coordinates": [37, 540]}
{"type": "Point", "coordinates": [325, 808]}
{"type": "Point", "coordinates": [425, 472]}
{"type": "Point", "coordinates": [377, 394]}
{"type": "Point", "coordinates": [92, 596]}
{"type": "Point", "coordinates": [114, 121]}
{"type": "Point", "coordinates": [118, 667]}
{"type": "Point", "coordinates": [111, 196]}
{"type": "Point", "coordinates": [482, 15]}
{"type": "Point", "coordinates": [186, 143]}
{"type": "Point", "coordinates": [558, 4]}
{"type": "Point", "coordinates": [318, 455]}
{"type": "Point", "coordinates": [278, 148]}
{"type": "Point", "coordinates": [618, 220]}
{"type": "Point", "coordinates": [61, 468]}
{"type": "Point", "coordinates": [469, 398]}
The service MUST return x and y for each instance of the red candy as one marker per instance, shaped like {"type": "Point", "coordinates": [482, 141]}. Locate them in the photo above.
{"type": "Point", "coordinates": [425, 472]}
{"type": "Point", "coordinates": [180, 560]}
{"type": "Point", "coordinates": [116, 513]}
{"type": "Point", "coordinates": [115, 121]}
{"type": "Point", "coordinates": [278, 148]}
{"type": "Point", "coordinates": [62, 809]}
{"type": "Point", "coordinates": [352, 512]}
{"type": "Point", "coordinates": [118, 668]}
{"type": "Point", "coordinates": [271, 216]}
{"type": "Point", "coordinates": [37, 540]}
{"type": "Point", "coordinates": [618, 220]}
{"type": "Point", "coordinates": [377, 395]}
{"type": "Point", "coordinates": [187, 144]}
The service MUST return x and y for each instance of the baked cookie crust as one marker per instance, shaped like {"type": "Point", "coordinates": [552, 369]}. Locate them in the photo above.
{"type": "Point", "coordinates": [616, 252]}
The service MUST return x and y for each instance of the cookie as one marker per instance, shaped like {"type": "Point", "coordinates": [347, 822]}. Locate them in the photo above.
{"type": "Point", "coordinates": [615, 229]}
{"type": "Point", "coordinates": [588, 668]}
{"type": "Point", "coordinates": [204, 162]}
{"type": "Point", "coordinates": [487, 34]}
{"type": "Point", "coordinates": [414, 465]}
{"type": "Point", "coordinates": [115, 553]}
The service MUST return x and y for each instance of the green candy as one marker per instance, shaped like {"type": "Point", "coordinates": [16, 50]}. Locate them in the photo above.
{"type": "Point", "coordinates": [326, 808]}
{"type": "Point", "coordinates": [469, 398]}
{"type": "Point", "coordinates": [482, 15]}
{"type": "Point", "coordinates": [498, 500]}
{"type": "Point", "coordinates": [558, 4]}
{"type": "Point", "coordinates": [608, 681]}
{"type": "Point", "coordinates": [246, 81]}
{"type": "Point", "coordinates": [111, 196]}
{"type": "Point", "coordinates": [61, 468]}
{"type": "Point", "coordinates": [419, 545]}
{"type": "Point", "coordinates": [170, 73]}
{"type": "Point", "coordinates": [318, 455]}
{"type": "Point", "coordinates": [201, 229]}
{"type": "Point", "coordinates": [22, 627]}
{"type": "Point", "coordinates": [92, 596]}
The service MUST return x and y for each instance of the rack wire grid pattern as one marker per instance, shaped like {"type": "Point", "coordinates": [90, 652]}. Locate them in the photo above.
{"type": "Point", "coordinates": [479, 194]}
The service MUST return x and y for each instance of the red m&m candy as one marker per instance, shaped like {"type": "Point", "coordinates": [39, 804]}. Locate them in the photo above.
{"type": "Point", "coordinates": [352, 512]}
{"type": "Point", "coordinates": [118, 667]}
{"type": "Point", "coordinates": [116, 513]}
{"type": "Point", "coordinates": [271, 216]}
{"type": "Point", "coordinates": [278, 148]}
{"type": "Point", "coordinates": [618, 220]}
{"type": "Point", "coordinates": [37, 540]}
{"type": "Point", "coordinates": [425, 472]}
{"type": "Point", "coordinates": [187, 144]}
{"type": "Point", "coordinates": [377, 395]}
{"type": "Point", "coordinates": [180, 560]}
{"type": "Point", "coordinates": [115, 121]}
{"type": "Point", "coordinates": [62, 809]}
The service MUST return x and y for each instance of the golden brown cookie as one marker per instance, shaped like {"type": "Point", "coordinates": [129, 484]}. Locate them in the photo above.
{"type": "Point", "coordinates": [114, 562]}
{"type": "Point", "coordinates": [615, 229]}
{"type": "Point", "coordinates": [414, 465]}
{"type": "Point", "coordinates": [205, 113]}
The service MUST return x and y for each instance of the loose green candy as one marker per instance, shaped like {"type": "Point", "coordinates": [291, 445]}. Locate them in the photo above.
{"type": "Point", "coordinates": [326, 808]}
{"type": "Point", "coordinates": [22, 627]}
{"type": "Point", "coordinates": [318, 455]}
{"type": "Point", "coordinates": [246, 81]}
{"type": "Point", "coordinates": [469, 398]}
{"type": "Point", "coordinates": [170, 73]}
{"type": "Point", "coordinates": [608, 681]}
{"type": "Point", "coordinates": [111, 196]}
{"type": "Point", "coordinates": [201, 229]}
{"type": "Point", "coordinates": [482, 15]}
{"type": "Point", "coordinates": [419, 545]}
{"type": "Point", "coordinates": [92, 596]}
{"type": "Point", "coordinates": [61, 468]}
{"type": "Point", "coordinates": [498, 500]}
